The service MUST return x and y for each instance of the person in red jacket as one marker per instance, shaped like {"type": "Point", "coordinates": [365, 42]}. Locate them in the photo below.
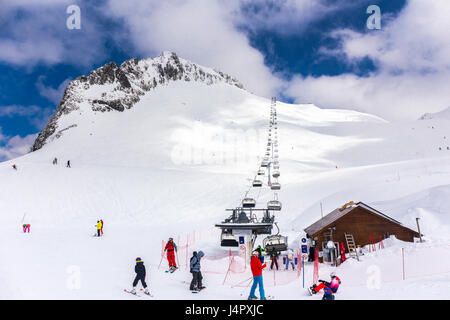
{"type": "Point", "coordinates": [257, 267]}
{"type": "Point", "coordinates": [171, 248]}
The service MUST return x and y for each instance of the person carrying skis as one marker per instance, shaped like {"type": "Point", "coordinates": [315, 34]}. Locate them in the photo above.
{"type": "Point", "coordinates": [140, 276]}
{"type": "Point", "coordinates": [290, 258]}
{"type": "Point", "coordinates": [196, 283]}
{"type": "Point", "coordinates": [99, 228]}
{"type": "Point", "coordinates": [257, 267]}
{"type": "Point", "coordinates": [329, 288]}
{"type": "Point", "coordinates": [171, 248]}
{"type": "Point", "coordinates": [274, 256]}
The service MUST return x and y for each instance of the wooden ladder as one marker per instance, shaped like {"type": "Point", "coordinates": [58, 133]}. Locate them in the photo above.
{"type": "Point", "coordinates": [350, 240]}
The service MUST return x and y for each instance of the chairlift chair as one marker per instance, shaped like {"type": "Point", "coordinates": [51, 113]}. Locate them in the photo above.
{"type": "Point", "coordinates": [276, 174]}
{"type": "Point", "coordinates": [274, 205]}
{"type": "Point", "coordinates": [275, 242]}
{"type": "Point", "coordinates": [261, 172]}
{"type": "Point", "coordinates": [275, 186]}
{"type": "Point", "coordinates": [257, 183]}
{"type": "Point", "coordinates": [228, 240]}
{"type": "Point", "coordinates": [248, 203]}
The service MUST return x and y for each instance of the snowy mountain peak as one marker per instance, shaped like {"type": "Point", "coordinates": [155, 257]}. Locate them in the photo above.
{"type": "Point", "coordinates": [444, 114]}
{"type": "Point", "coordinates": [117, 88]}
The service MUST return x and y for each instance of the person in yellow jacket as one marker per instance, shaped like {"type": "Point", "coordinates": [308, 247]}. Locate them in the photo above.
{"type": "Point", "coordinates": [99, 228]}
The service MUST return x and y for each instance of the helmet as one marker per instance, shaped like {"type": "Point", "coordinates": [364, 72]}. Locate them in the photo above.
{"type": "Point", "coordinates": [255, 253]}
{"type": "Point", "coordinates": [170, 239]}
{"type": "Point", "coordinates": [138, 259]}
{"type": "Point", "coordinates": [333, 275]}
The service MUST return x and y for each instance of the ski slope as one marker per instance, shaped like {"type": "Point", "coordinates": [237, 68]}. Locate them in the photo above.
{"type": "Point", "coordinates": [184, 153]}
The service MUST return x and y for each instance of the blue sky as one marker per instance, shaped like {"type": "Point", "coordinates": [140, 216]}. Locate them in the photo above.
{"type": "Point", "coordinates": [295, 49]}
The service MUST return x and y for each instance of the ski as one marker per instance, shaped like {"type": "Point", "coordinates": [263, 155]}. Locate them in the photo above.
{"type": "Point", "coordinates": [128, 291]}
{"type": "Point", "coordinates": [197, 291]}
{"type": "Point", "coordinates": [147, 293]}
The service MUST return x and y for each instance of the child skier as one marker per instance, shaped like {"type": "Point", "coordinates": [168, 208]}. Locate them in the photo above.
{"type": "Point", "coordinates": [328, 287]}
{"type": "Point", "coordinates": [171, 248]}
{"type": "Point", "coordinates": [140, 276]}
{"type": "Point", "coordinates": [257, 267]}
{"type": "Point", "coordinates": [290, 258]}
{"type": "Point", "coordinates": [196, 283]}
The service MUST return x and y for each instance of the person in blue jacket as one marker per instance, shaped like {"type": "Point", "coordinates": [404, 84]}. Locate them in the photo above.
{"type": "Point", "coordinates": [196, 283]}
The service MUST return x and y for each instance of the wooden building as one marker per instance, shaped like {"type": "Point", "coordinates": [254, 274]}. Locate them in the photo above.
{"type": "Point", "coordinates": [366, 224]}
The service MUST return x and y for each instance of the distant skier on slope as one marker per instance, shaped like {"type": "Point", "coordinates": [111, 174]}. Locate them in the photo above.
{"type": "Point", "coordinates": [196, 283]}
{"type": "Point", "coordinates": [328, 287]}
{"type": "Point", "coordinates": [68, 164]}
{"type": "Point", "coordinates": [140, 276]}
{"type": "Point", "coordinates": [14, 167]}
{"type": "Point", "coordinates": [99, 228]}
{"type": "Point", "coordinates": [55, 161]}
{"type": "Point", "coordinates": [171, 248]}
{"type": "Point", "coordinates": [257, 267]}
{"type": "Point", "coordinates": [26, 227]}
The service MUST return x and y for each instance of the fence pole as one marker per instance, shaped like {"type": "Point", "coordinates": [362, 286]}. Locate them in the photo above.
{"type": "Point", "coordinates": [403, 262]}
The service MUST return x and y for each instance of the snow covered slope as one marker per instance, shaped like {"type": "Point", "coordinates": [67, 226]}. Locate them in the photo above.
{"type": "Point", "coordinates": [163, 160]}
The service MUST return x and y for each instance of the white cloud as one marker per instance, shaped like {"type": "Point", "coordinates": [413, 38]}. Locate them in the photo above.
{"type": "Point", "coordinates": [198, 30]}
{"type": "Point", "coordinates": [52, 94]}
{"type": "Point", "coordinates": [412, 55]}
{"type": "Point", "coordinates": [35, 32]}
{"type": "Point", "coordinates": [16, 146]}
{"type": "Point", "coordinates": [36, 115]}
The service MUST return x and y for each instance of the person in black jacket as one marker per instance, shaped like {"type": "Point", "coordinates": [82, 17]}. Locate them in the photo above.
{"type": "Point", "coordinates": [274, 256]}
{"type": "Point", "coordinates": [140, 275]}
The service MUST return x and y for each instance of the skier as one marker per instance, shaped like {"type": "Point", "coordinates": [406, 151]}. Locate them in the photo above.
{"type": "Point", "coordinates": [171, 248]}
{"type": "Point", "coordinates": [14, 167]}
{"type": "Point", "coordinates": [196, 283]}
{"type": "Point", "coordinates": [55, 161]}
{"type": "Point", "coordinates": [68, 164]}
{"type": "Point", "coordinates": [140, 276]}
{"type": "Point", "coordinates": [99, 228]}
{"type": "Point", "coordinates": [26, 227]}
{"type": "Point", "coordinates": [260, 251]}
{"type": "Point", "coordinates": [257, 267]}
{"type": "Point", "coordinates": [328, 287]}
{"type": "Point", "coordinates": [290, 258]}
{"type": "Point", "coordinates": [274, 256]}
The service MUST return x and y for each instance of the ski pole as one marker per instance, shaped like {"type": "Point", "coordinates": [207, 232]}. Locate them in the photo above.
{"type": "Point", "coordinates": [245, 288]}
{"type": "Point", "coordinates": [162, 256]}
{"type": "Point", "coordinates": [246, 280]}
{"type": "Point", "coordinates": [176, 254]}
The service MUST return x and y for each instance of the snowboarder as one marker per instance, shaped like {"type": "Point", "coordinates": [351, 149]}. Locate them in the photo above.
{"type": "Point", "coordinates": [171, 248]}
{"type": "Point", "coordinates": [328, 287]}
{"type": "Point", "coordinates": [99, 228]}
{"type": "Point", "coordinates": [274, 256]}
{"type": "Point", "coordinates": [290, 258]}
{"type": "Point", "coordinates": [68, 164]}
{"type": "Point", "coordinates": [140, 276]}
{"type": "Point", "coordinates": [196, 283]}
{"type": "Point", "coordinates": [257, 267]}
